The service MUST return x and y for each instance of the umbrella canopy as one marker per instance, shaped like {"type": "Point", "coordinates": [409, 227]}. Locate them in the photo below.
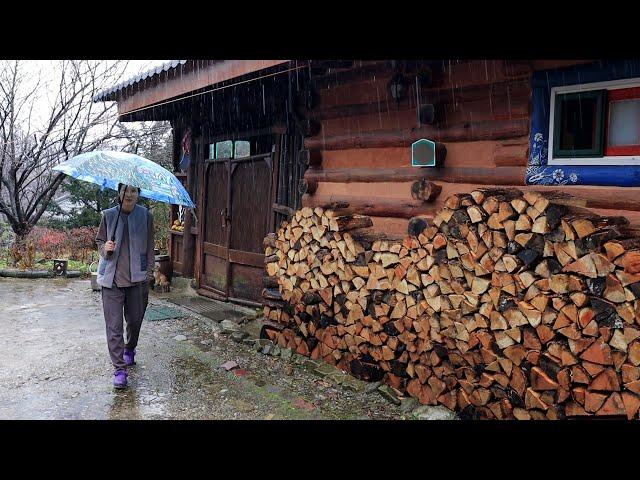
{"type": "Point", "coordinates": [108, 168]}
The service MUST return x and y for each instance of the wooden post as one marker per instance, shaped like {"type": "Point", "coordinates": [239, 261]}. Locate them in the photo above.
{"type": "Point", "coordinates": [177, 132]}
{"type": "Point", "coordinates": [188, 239]}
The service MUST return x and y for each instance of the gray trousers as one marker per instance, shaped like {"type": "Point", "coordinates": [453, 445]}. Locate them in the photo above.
{"type": "Point", "coordinates": [132, 301]}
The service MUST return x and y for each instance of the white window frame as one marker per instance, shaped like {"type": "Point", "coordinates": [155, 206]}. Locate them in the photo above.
{"type": "Point", "coordinates": [585, 87]}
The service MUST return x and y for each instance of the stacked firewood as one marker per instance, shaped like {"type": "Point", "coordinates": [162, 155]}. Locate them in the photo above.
{"type": "Point", "coordinates": [509, 305]}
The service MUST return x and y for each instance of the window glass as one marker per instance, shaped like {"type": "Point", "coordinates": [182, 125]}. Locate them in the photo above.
{"type": "Point", "coordinates": [577, 130]}
{"type": "Point", "coordinates": [224, 149]}
{"type": "Point", "coordinates": [624, 122]}
{"type": "Point", "coordinates": [212, 150]}
{"type": "Point", "coordinates": [242, 149]}
{"type": "Point", "coordinates": [578, 124]}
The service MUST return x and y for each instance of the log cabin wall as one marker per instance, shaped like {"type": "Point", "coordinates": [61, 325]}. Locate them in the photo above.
{"type": "Point", "coordinates": [482, 114]}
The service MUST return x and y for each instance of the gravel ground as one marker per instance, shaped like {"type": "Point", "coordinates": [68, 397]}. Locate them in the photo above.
{"type": "Point", "coordinates": [56, 366]}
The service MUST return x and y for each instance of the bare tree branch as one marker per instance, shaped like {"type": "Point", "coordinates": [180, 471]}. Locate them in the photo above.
{"type": "Point", "coordinates": [29, 148]}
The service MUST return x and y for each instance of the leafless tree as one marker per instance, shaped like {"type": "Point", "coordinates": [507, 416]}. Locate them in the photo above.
{"type": "Point", "coordinates": [30, 147]}
{"type": "Point", "coordinates": [152, 140]}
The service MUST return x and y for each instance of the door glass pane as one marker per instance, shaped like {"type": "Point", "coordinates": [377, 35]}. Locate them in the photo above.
{"type": "Point", "coordinates": [242, 149]}
{"type": "Point", "coordinates": [224, 149]}
{"type": "Point", "coordinates": [624, 122]}
{"type": "Point", "coordinates": [578, 124]}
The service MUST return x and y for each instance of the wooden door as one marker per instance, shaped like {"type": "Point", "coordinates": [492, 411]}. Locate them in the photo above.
{"type": "Point", "coordinates": [215, 228]}
{"type": "Point", "coordinates": [250, 214]}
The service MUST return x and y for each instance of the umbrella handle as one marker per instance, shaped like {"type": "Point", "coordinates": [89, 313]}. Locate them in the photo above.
{"type": "Point", "coordinates": [113, 235]}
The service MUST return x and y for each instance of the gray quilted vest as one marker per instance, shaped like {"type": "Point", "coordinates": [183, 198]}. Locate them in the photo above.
{"type": "Point", "coordinates": [137, 223]}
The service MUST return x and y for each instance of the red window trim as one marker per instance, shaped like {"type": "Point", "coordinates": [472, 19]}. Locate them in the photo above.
{"type": "Point", "coordinates": [613, 96]}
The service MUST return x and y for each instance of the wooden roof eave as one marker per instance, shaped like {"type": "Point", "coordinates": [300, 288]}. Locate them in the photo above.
{"type": "Point", "coordinates": [173, 86]}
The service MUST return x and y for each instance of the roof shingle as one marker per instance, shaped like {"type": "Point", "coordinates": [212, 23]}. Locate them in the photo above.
{"type": "Point", "coordinates": [109, 94]}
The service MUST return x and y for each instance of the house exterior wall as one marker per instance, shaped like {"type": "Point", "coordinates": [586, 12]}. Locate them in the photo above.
{"type": "Point", "coordinates": [483, 117]}
{"type": "Point", "coordinates": [490, 115]}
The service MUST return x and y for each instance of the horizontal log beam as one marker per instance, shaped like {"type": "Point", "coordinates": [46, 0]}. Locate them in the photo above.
{"type": "Point", "coordinates": [465, 132]}
{"type": "Point", "coordinates": [482, 176]}
{"type": "Point", "coordinates": [510, 153]}
{"type": "Point", "coordinates": [332, 63]}
{"type": "Point", "coordinates": [549, 64]}
{"type": "Point", "coordinates": [510, 90]}
{"type": "Point", "coordinates": [624, 198]}
{"type": "Point", "coordinates": [361, 72]}
{"type": "Point", "coordinates": [377, 207]}
{"type": "Point", "coordinates": [445, 76]}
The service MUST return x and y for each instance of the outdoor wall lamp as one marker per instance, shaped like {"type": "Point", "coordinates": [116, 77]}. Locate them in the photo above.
{"type": "Point", "coordinates": [398, 87]}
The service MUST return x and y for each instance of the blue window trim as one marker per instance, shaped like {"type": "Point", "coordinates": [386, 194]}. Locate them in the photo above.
{"type": "Point", "coordinates": [538, 171]}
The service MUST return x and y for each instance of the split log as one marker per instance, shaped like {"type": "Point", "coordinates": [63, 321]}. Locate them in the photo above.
{"type": "Point", "coordinates": [271, 294]}
{"type": "Point", "coordinates": [417, 225]}
{"type": "Point", "coordinates": [479, 308]}
{"type": "Point", "coordinates": [349, 222]}
{"type": "Point", "coordinates": [269, 282]}
{"type": "Point", "coordinates": [425, 190]}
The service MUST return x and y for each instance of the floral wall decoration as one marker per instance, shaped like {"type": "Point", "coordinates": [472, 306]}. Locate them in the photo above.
{"type": "Point", "coordinates": [538, 171]}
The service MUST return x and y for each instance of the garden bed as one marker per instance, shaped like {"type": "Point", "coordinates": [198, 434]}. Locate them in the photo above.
{"type": "Point", "coordinates": [17, 273]}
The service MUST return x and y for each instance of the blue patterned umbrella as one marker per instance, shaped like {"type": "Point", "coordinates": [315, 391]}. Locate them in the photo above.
{"type": "Point", "coordinates": [108, 168]}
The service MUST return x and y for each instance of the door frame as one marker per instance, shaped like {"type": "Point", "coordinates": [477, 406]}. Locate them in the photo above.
{"type": "Point", "coordinates": [233, 256]}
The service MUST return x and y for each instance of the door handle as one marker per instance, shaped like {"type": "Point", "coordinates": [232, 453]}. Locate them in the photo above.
{"type": "Point", "coordinates": [225, 217]}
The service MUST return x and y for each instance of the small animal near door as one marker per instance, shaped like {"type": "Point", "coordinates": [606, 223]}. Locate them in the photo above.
{"type": "Point", "coordinates": [237, 209]}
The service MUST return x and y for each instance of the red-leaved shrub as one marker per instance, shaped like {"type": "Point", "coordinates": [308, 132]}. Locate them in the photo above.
{"type": "Point", "coordinates": [50, 243]}
{"type": "Point", "coordinates": [76, 244]}
{"type": "Point", "coordinates": [81, 241]}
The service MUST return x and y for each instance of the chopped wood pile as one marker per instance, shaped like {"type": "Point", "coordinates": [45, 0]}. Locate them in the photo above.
{"type": "Point", "coordinates": [509, 305]}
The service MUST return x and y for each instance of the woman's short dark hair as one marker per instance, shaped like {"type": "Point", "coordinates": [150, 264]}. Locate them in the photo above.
{"type": "Point", "coordinates": [120, 185]}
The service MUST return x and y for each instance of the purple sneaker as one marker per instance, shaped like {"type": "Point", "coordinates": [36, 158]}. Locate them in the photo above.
{"type": "Point", "coordinates": [120, 379]}
{"type": "Point", "coordinates": [129, 357]}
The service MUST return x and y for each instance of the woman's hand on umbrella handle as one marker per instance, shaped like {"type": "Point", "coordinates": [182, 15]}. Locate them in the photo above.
{"type": "Point", "coordinates": [109, 247]}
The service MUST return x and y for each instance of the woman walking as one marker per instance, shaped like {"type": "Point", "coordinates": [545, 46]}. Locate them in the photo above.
{"type": "Point", "coordinates": [125, 269]}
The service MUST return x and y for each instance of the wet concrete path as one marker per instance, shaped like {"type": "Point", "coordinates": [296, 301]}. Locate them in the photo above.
{"type": "Point", "coordinates": [54, 364]}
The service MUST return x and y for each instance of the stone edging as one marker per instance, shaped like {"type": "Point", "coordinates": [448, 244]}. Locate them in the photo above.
{"type": "Point", "coordinates": [408, 405]}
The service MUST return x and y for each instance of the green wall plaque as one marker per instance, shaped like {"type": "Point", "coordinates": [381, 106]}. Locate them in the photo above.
{"type": "Point", "coordinates": [423, 153]}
